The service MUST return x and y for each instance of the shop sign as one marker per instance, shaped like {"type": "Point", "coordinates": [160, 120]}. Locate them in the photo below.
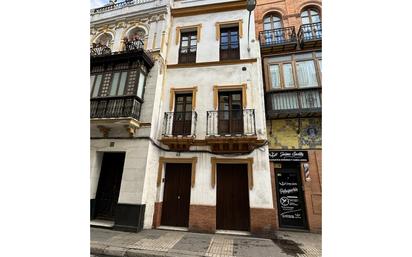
{"type": "Point", "coordinates": [288, 156]}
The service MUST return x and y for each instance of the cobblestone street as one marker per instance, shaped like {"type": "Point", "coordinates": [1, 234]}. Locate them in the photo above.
{"type": "Point", "coordinates": [175, 243]}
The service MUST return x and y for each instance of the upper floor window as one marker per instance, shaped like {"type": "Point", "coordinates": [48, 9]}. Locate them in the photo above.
{"type": "Point", "coordinates": [229, 43]}
{"type": "Point", "coordinates": [296, 71]}
{"type": "Point", "coordinates": [105, 39]}
{"type": "Point", "coordinates": [188, 47]}
{"type": "Point", "coordinates": [118, 80]}
{"type": "Point", "coordinates": [272, 25]}
{"type": "Point", "coordinates": [272, 21]}
{"type": "Point", "coordinates": [310, 15]}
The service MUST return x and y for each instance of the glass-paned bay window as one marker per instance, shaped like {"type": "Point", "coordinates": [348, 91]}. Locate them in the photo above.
{"type": "Point", "coordinates": [306, 74]}
{"type": "Point", "coordinates": [121, 79]}
{"type": "Point", "coordinates": [295, 71]}
{"type": "Point", "coordinates": [275, 76]}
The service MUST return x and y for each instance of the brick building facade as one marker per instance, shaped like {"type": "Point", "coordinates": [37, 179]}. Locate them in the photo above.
{"type": "Point", "coordinates": [290, 37]}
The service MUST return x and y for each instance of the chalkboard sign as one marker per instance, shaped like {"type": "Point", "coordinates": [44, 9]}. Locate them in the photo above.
{"type": "Point", "coordinates": [288, 156]}
{"type": "Point", "coordinates": [290, 199]}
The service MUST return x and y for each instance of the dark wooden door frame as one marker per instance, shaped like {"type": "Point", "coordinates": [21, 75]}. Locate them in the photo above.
{"type": "Point", "coordinates": [182, 120]}
{"type": "Point", "coordinates": [297, 170]}
{"type": "Point", "coordinates": [108, 188]}
{"type": "Point", "coordinates": [232, 197]}
{"type": "Point", "coordinates": [234, 124]}
{"type": "Point", "coordinates": [176, 195]}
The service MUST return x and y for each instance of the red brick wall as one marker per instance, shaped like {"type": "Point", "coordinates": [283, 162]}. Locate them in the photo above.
{"type": "Point", "coordinates": [202, 218]}
{"type": "Point", "coordinates": [262, 221]}
{"type": "Point", "coordinates": [157, 215]}
{"type": "Point", "coordinates": [289, 10]}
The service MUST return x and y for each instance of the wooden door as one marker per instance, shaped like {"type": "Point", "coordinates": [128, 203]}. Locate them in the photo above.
{"type": "Point", "coordinates": [109, 185]}
{"type": "Point", "coordinates": [290, 198]}
{"type": "Point", "coordinates": [232, 203]}
{"type": "Point", "coordinates": [230, 113]}
{"type": "Point", "coordinates": [182, 118]}
{"type": "Point", "coordinates": [176, 197]}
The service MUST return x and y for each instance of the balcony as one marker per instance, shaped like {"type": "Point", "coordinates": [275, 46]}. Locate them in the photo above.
{"type": "Point", "coordinates": [310, 35]}
{"type": "Point", "coordinates": [115, 6]}
{"type": "Point", "coordinates": [179, 129]}
{"type": "Point", "coordinates": [108, 113]}
{"type": "Point", "coordinates": [274, 40]}
{"type": "Point", "coordinates": [134, 50]}
{"type": "Point", "coordinates": [115, 107]}
{"type": "Point", "coordinates": [231, 131]}
{"type": "Point", "coordinates": [294, 103]}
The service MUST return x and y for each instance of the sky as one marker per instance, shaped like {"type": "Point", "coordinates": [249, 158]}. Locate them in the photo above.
{"type": "Point", "coordinates": [98, 3]}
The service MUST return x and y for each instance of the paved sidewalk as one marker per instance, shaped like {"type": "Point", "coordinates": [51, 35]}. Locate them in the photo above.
{"type": "Point", "coordinates": [186, 244]}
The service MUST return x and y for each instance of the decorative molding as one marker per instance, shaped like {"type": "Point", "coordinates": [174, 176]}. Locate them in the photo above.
{"type": "Point", "coordinates": [248, 161]}
{"type": "Point", "coordinates": [205, 64]}
{"type": "Point", "coordinates": [209, 8]}
{"type": "Point", "coordinates": [238, 22]}
{"type": "Point", "coordinates": [104, 130]}
{"type": "Point", "coordinates": [173, 91]}
{"type": "Point", "coordinates": [180, 28]}
{"type": "Point", "coordinates": [164, 160]}
{"type": "Point", "coordinates": [217, 88]}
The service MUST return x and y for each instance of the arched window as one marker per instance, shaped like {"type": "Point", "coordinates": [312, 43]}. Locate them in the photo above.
{"type": "Point", "coordinates": [136, 33]}
{"type": "Point", "coordinates": [272, 21]}
{"type": "Point", "coordinates": [310, 15]}
{"type": "Point", "coordinates": [311, 26]}
{"type": "Point", "coordinates": [272, 25]}
{"type": "Point", "coordinates": [104, 39]}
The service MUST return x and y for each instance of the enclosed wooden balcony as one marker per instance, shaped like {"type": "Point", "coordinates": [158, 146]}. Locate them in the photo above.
{"type": "Point", "coordinates": [275, 40]}
{"type": "Point", "coordinates": [179, 129]}
{"type": "Point", "coordinates": [310, 35]}
{"type": "Point", "coordinates": [231, 130]}
{"type": "Point", "coordinates": [294, 103]}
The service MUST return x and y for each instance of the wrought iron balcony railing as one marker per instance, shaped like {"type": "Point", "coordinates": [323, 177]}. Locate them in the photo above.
{"type": "Point", "coordinates": [310, 34]}
{"type": "Point", "coordinates": [179, 124]}
{"type": "Point", "coordinates": [296, 102]}
{"type": "Point", "coordinates": [231, 123]}
{"type": "Point", "coordinates": [98, 49]}
{"type": "Point", "coordinates": [278, 37]}
{"type": "Point", "coordinates": [134, 44]}
{"type": "Point", "coordinates": [115, 107]}
{"type": "Point", "coordinates": [119, 5]}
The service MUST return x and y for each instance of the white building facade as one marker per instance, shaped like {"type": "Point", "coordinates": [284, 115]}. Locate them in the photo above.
{"type": "Point", "coordinates": [127, 63]}
{"type": "Point", "coordinates": [178, 132]}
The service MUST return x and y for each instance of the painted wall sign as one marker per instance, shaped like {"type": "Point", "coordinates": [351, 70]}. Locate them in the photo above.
{"type": "Point", "coordinates": [288, 156]}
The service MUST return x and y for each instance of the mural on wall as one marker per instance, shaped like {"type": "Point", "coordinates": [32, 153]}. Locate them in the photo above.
{"type": "Point", "coordinates": [285, 134]}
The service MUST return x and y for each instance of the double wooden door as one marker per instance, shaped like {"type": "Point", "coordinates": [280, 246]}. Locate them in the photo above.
{"type": "Point", "coordinates": [176, 197]}
{"type": "Point", "coordinates": [232, 203]}
{"type": "Point", "coordinates": [109, 185]}
{"type": "Point", "coordinates": [230, 113]}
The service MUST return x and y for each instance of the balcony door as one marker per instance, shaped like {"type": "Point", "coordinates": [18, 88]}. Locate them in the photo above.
{"type": "Point", "coordinates": [182, 118]}
{"type": "Point", "coordinates": [230, 113]}
{"type": "Point", "coordinates": [272, 25]}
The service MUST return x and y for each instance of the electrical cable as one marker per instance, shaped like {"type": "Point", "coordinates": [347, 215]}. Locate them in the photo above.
{"type": "Point", "coordinates": [187, 151]}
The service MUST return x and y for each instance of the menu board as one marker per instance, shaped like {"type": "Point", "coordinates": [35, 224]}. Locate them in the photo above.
{"type": "Point", "coordinates": [290, 202]}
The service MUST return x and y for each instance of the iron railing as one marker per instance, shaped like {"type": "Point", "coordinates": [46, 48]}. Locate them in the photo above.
{"type": "Point", "coordinates": [133, 44]}
{"type": "Point", "coordinates": [310, 32]}
{"type": "Point", "coordinates": [276, 37]}
{"type": "Point", "coordinates": [303, 102]}
{"type": "Point", "coordinates": [179, 124]}
{"type": "Point", "coordinates": [229, 53]}
{"type": "Point", "coordinates": [98, 49]}
{"type": "Point", "coordinates": [187, 54]}
{"type": "Point", "coordinates": [231, 123]}
{"type": "Point", "coordinates": [115, 107]}
{"type": "Point", "coordinates": [119, 5]}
